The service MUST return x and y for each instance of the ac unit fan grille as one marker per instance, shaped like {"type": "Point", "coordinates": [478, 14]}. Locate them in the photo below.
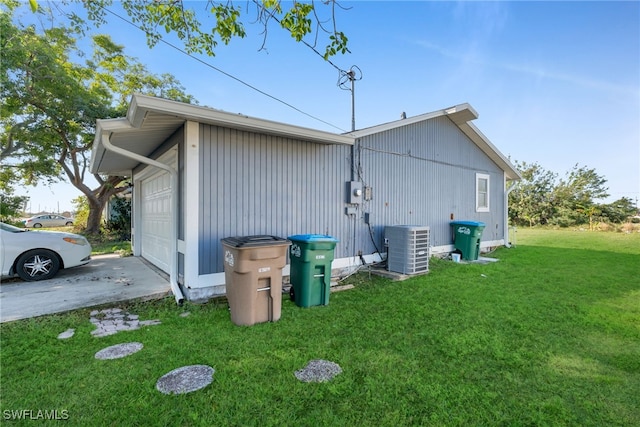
{"type": "Point", "coordinates": [408, 249]}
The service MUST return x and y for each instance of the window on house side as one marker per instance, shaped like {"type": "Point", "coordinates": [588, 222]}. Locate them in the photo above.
{"type": "Point", "coordinates": [482, 192]}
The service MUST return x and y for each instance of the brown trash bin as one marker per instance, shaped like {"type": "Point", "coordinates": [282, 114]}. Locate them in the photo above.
{"type": "Point", "coordinates": [253, 277]}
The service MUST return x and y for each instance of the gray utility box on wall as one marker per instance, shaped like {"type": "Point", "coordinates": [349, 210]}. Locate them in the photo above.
{"type": "Point", "coordinates": [408, 248]}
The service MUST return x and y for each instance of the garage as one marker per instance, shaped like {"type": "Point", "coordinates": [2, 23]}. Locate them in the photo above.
{"type": "Point", "coordinates": [237, 175]}
{"type": "Point", "coordinates": [155, 219]}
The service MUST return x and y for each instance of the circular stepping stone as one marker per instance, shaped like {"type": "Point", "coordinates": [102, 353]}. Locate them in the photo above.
{"type": "Point", "coordinates": [318, 371]}
{"type": "Point", "coordinates": [119, 350]}
{"type": "Point", "coordinates": [185, 379]}
{"type": "Point", "coordinates": [66, 334]}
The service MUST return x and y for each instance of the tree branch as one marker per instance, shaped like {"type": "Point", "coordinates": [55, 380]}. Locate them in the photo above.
{"type": "Point", "coordinates": [12, 146]}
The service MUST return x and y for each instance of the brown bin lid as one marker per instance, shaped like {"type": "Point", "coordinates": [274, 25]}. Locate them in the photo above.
{"type": "Point", "coordinates": [253, 241]}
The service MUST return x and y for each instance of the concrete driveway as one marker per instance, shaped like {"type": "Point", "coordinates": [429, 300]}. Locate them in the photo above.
{"type": "Point", "coordinates": [106, 279]}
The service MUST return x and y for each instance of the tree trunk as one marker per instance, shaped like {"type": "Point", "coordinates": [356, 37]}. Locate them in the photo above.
{"type": "Point", "coordinates": [98, 199]}
{"type": "Point", "coordinates": [96, 206]}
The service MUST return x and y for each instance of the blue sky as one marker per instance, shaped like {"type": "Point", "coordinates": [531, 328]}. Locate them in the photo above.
{"type": "Point", "coordinates": [556, 83]}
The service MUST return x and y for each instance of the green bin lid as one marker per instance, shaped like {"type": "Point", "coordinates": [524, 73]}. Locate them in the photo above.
{"type": "Point", "coordinates": [308, 238]}
{"type": "Point", "coordinates": [468, 223]}
{"type": "Point", "coordinates": [252, 241]}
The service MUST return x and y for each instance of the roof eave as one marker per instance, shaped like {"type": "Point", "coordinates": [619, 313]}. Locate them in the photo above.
{"type": "Point", "coordinates": [458, 114]}
{"type": "Point", "coordinates": [142, 104]}
{"type": "Point", "coordinates": [490, 150]}
{"type": "Point", "coordinates": [142, 107]}
{"type": "Point", "coordinates": [104, 127]}
{"type": "Point", "coordinates": [461, 115]}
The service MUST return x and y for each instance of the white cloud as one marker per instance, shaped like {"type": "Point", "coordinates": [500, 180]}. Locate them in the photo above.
{"type": "Point", "coordinates": [539, 71]}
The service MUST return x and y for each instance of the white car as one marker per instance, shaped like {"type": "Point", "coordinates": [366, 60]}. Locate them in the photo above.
{"type": "Point", "coordinates": [47, 221]}
{"type": "Point", "coordinates": [38, 255]}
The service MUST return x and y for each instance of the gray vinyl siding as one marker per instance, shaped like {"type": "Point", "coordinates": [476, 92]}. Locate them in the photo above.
{"type": "Point", "coordinates": [255, 184]}
{"type": "Point", "coordinates": [422, 173]}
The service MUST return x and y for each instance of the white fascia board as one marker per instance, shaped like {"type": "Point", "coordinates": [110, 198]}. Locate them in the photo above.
{"type": "Point", "coordinates": [141, 104]}
{"type": "Point", "coordinates": [458, 114]}
{"type": "Point", "coordinates": [490, 150]}
{"type": "Point", "coordinates": [461, 115]}
{"type": "Point", "coordinates": [105, 126]}
{"type": "Point", "coordinates": [393, 125]}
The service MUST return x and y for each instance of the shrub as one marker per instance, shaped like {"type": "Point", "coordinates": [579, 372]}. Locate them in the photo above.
{"type": "Point", "coordinates": [628, 227]}
{"type": "Point", "coordinates": [603, 226]}
{"type": "Point", "coordinates": [119, 223]}
{"type": "Point", "coordinates": [11, 207]}
{"type": "Point", "coordinates": [81, 206]}
{"type": "Point", "coordinates": [562, 221]}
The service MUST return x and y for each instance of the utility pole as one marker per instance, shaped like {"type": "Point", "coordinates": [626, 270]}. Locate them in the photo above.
{"type": "Point", "coordinates": [351, 76]}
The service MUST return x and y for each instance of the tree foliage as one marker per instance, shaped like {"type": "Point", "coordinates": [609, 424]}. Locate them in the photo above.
{"type": "Point", "coordinates": [619, 210]}
{"type": "Point", "coordinates": [119, 221]}
{"type": "Point", "coordinates": [576, 195]}
{"type": "Point", "coordinates": [11, 206]}
{"type": "Point", "coordinates": [225, 20]}
{"type": "Point", "coordinates": [541, 197]}
{"type": "Point", "coordinates": [533, 199]}
{"type": "Point", "coordinates": [50, 104]}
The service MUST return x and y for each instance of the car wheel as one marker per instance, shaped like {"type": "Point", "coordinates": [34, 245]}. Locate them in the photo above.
{"type": "Point", "coordinates": [37, 225]}
{"type": "Point", "coordinates": [69, 223]}
{"type": "Point", "coordinates": [38, 264]}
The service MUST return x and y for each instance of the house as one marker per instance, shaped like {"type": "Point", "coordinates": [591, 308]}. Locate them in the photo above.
{"type": "Point", "coordinates": [200, 175]}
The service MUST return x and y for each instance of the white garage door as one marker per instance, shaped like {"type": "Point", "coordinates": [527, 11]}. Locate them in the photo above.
{"type": "Point", "coordinates": [155, 219]}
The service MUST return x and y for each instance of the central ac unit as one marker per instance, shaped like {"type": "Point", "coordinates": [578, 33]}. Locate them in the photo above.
{"type": "Point", "coordinates": [408, 248]}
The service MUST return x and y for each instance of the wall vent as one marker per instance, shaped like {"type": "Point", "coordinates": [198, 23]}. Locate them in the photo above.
{"type": "Point", "coordinates": [408, 248]}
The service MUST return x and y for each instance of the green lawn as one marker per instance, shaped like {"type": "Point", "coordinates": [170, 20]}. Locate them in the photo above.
{"type": "Point", "coordinates": [100, 245]}
{"type": "Point", "coordinates": [547, 336]}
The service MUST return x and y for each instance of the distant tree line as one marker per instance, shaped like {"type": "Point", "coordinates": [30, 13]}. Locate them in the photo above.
{"type": "Point", "coordinates": [544, 198]}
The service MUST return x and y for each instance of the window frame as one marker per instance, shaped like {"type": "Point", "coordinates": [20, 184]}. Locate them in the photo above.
{"type": "Point", "coordinates": [479, 178]}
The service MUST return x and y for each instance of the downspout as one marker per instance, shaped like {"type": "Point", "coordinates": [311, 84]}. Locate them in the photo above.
{"type": "Point", "coordinates": [173, 268]}
{"type": "Point", "coordinates": [507, 244]}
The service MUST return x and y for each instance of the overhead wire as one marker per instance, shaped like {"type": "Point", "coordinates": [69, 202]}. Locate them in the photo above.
{"type": "Point", "coordinates": [424, 159]}
{"type": "Point", "coordinates": [343, 75]}
{"type": "Point", "coordinates": [260, 91]}
{"type": "Point", "coordinates": [350, 75]}
{"type": "Point", "coordinates": [275, 18]}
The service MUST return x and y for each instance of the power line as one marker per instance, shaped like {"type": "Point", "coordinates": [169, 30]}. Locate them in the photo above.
{"type": "Point", "coordinates": [352, 75]}
{"type": "Point", "coordinates": [227, 74]}
{"type": "Point", "coordinates": [275, 18]}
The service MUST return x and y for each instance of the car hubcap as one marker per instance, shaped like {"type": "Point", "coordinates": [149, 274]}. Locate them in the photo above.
{"type": "Point", "coordinates": [38, 265]}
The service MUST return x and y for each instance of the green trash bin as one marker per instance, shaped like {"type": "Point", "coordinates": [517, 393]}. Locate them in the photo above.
{"type": "Point", "coordinates": [311, 256]}
{"type": "Point", "coordinates": [466, 238]}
